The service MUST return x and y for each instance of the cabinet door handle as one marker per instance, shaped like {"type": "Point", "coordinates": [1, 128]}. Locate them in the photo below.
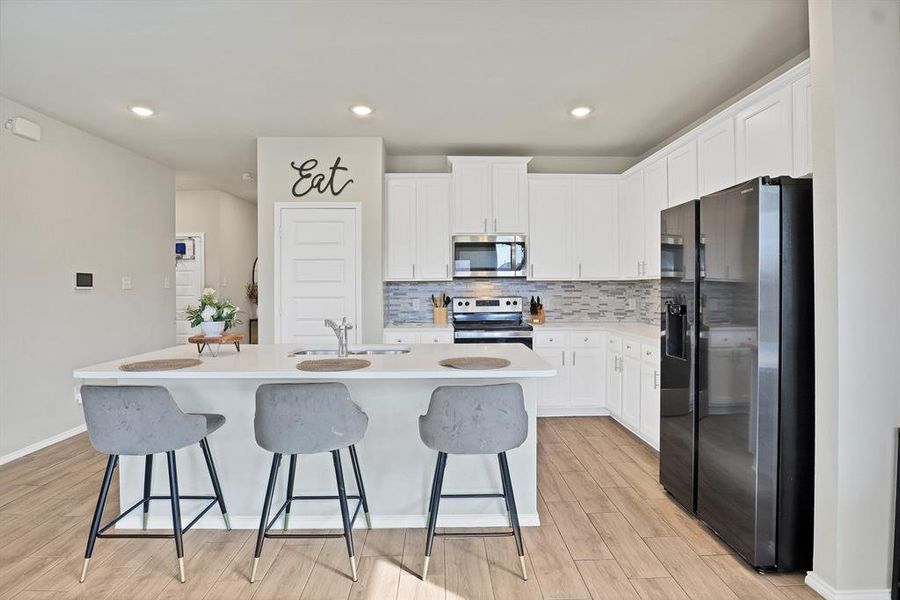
{"type": "Point", "coordinates": [573, 358]}
{"type": "Point", "coordinates": [639, 268]}
{"type": "Point", "coordinates": [531, 266]}
{"type": "Point", "coordinates": [564, 357]}
{"type": "Point", "coordinates": [485, 224]}
{"type": "Point", "coordinates": [495, 224]}
{"type": "Point", "coordinates": [579, 269]}
{"type": "Point", "coordinates": [414, 270]}
{"type": "Point", "coordinates": [447, 269]}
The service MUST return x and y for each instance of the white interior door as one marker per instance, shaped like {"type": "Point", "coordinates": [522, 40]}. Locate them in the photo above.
{"type": "Point", "coordinates": [189, 282]}
{"type": "Point", "coordinates": [318, 256]}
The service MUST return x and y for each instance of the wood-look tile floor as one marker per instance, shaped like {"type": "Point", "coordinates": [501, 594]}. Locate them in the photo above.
{"type": "Point", "coordinates": [608, 531]}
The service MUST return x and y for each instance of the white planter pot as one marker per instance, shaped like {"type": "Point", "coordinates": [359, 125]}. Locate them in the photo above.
{"type": "Point", "coordinates": [212, 328]}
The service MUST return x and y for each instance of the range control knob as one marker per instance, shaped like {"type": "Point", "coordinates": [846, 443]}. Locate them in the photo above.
{"type": "Point", "coordinates": [515, 302]}
{"type": "Point", "coordinates": [459, 303]}
{"type": "Point", "coordinates": [467, 303]}
{"type": "Point", "coordinates": [508, 302]}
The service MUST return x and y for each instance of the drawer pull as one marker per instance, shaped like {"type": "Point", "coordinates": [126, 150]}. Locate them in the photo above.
{"type": "Point", "coordinates": [585, 339]}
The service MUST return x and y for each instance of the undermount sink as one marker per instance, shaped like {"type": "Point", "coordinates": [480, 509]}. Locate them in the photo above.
{"type": "Point", "coordinates": [354, 351]}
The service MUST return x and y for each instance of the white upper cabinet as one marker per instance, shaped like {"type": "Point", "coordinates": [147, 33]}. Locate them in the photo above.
{"type": "Point", "coordinates": [417, 227]}
{"type": "Point", "coordinates": [631, 226]}
{"type": "Point", "coordinates": [490, 194]}
{"type": "Point", "coordinates": [715, 158]}
{"type": "Point", "coordinates": [399, 228]}
{"type": "Point", "coordinates": [550, 243]}
{"type": "Point", "coordinates": [801, 93]}
{"type": "Point", "coordinates": [510, 198]}
{"type": "Point", "coordinates": [763, 137]}
{"type": "Point", "coordinates": [596, 222]}
{"type": "Point", "coordinates": [682, 165]}
{"type": "Point", "coordinates": [471, 196]}
{"type": "Point", "coordinates": [656, 198]}
{"type": "Point", "coordinates": [433, 227]}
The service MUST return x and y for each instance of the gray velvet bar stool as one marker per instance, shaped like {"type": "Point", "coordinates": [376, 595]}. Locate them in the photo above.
{"type": "Point", "coordinates": [309, 418]}
{"type": "Point", "coordinates": [474, 419]}
{"type": "Point", "coordinates": [137, 420]}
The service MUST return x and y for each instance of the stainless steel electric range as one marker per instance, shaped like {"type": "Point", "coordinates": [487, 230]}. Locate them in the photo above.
{"type": "Point", "coordinates": [490, 321]}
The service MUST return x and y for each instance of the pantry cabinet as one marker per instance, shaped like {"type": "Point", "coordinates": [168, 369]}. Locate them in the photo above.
{"type": "Point", "coordinates": [416, 227]}
{"type": "Point", "coordinates": [490, 194]}
{"type": "Point", "coordinates": [574, 227]}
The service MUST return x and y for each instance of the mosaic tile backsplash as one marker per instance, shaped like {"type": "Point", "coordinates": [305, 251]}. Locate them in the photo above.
{"type": "Point", "coordinates": [563, 300]}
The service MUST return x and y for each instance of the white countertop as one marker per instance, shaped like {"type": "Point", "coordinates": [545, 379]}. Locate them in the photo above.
{"type": "Point", "coordinates": [271, 361]}
{"type": "Point", "coordinates": [641, 330]}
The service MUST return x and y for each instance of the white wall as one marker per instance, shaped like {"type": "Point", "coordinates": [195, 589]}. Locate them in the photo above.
{"type": "Point", "coordinates": [73, 202]}
{"type": "Point", "coordinates": [364, 157]}
{"type": "Point", "coordinates": [229, 227]}
{"type": "Point", "coordinates": [855, 56]}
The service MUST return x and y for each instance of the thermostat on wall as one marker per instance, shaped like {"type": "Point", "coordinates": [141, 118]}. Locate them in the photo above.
{"type": "Point", "coordinates": [84, 281]}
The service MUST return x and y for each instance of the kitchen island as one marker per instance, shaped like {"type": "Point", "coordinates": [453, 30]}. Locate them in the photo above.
{"type": "Point", "coordinates": [396, 466]}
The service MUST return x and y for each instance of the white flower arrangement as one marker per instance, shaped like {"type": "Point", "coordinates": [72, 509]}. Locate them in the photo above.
{"type": "Point", "coordinates": [212, 309]}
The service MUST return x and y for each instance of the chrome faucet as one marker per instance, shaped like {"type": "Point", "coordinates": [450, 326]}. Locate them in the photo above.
{"type": "Point", "coordinates": [340, 331]}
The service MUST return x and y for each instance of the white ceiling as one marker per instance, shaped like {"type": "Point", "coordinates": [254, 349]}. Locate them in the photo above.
{"type": "Point", "coordinates": [444, 76]}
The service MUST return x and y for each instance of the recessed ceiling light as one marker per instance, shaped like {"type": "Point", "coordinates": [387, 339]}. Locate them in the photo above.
{"type": "Point", "coordinates": [142, 111]}
{"type": "Point", "coordinates": [580, 112]}
{"type": "Point", "coordinates": [361, 110]}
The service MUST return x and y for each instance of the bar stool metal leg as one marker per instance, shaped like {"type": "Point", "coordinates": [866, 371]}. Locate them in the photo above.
{"type": "Point", "coordinates": [359, 485]}
{"type": "Point", "coordinates": [98, 513]}
{"type": "Point", "coordinates": [435, 506]}
{"type": "Point", "coordinates": [148, 476]}
{"type": "Point", "coordinates": [292, 470]}
{"type": "Point", "coordinates": [176, 512]}
{"type": "Point", "coordinates": [214, 477]}
{"type": "Point", "coordinates": [513, 513]}
{"type": "Point", "coordinates": [345, 513]}
{"type": "Point", "coordinates": [264, 518]}
{"type": "Point", "coordinates": [505, 492]}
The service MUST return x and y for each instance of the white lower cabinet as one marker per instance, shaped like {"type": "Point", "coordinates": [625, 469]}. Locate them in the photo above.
{"type": "Point", "coordinates": [577, 388]}
{"type": "Point", "coordinates": [417, 335]}
{"type": "Point", "coordinates": [601, 372]}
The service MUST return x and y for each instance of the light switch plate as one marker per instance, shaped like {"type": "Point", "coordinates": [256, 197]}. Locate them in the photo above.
{"type": "Point", "coordinates": [126, 282]}
{"type": "Point", "coordinates": [167, 282]}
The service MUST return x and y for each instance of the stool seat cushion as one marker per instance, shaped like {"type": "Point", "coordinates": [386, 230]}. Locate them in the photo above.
{"type": "Point", "coordinates": [307, 418]}
{"type": "Point", "coordinates": [475, 419]}
{"type": "Point", "coordinates": [135, 420]}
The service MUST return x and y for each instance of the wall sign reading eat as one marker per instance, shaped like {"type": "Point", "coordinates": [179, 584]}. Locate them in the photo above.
{"type": "Point", "coordinates": [310, 180]}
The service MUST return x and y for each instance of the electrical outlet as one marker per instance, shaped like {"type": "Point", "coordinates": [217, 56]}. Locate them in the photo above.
{"type": "Point", "coordinates": [416, 304]}
{"type": "Point", "coordinates": [126, 282]}
{"type": "Point", "coordinates": [167, 283]}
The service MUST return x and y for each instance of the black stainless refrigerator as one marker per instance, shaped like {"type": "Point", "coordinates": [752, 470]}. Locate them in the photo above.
{"type": "Point", "coordinates": [737, 387]}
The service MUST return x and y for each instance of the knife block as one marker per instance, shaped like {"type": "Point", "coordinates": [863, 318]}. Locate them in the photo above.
{"type": "Point", "coordinates": [538, 317]}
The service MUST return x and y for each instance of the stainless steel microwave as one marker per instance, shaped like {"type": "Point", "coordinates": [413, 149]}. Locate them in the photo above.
{"type": "Point", "coordinates": [489, 256]}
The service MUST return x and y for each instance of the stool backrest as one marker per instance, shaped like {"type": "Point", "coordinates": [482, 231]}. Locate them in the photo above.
{"type": "Point", "coordinates": [475, 419]}
{"type": "Point", "coordinates": [306, 418]}
{"type": "Point", "coordinates": [137, 420]}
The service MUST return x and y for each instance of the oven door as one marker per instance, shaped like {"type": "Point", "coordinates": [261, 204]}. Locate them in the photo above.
{"type": "Point", "coordinates": [489, 256]}
{"type": "Point", "coordinates": [493, 337]}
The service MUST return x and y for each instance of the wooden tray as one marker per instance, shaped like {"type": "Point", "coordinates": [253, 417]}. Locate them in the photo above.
{"type": "Point", "coordinates": [333, 364]}
{"type": "Point", "coordinates": [204, 342]}
{"type": "Point", "coordinates": [162, 364]}
{"type": "Point", "coordinates": [475, 363]}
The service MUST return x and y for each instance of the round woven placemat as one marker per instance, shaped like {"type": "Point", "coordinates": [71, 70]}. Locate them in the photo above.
{"type": "Point", "coordinates": [163, 364]}
{"type": "Point", "coordinates": [475, 363]}
{"type": "Point", "coordinates": [333, 364]}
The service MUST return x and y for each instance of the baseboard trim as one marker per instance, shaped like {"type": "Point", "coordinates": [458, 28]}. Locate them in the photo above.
{"type": "Point", "coordinates": [214, 521]}
{"type": "Point", "coordinates": [572, 411]}
{"type": "Point", "coordinates": [41, 444]}
{"type": "Point", "coordinates": [828, 592]}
